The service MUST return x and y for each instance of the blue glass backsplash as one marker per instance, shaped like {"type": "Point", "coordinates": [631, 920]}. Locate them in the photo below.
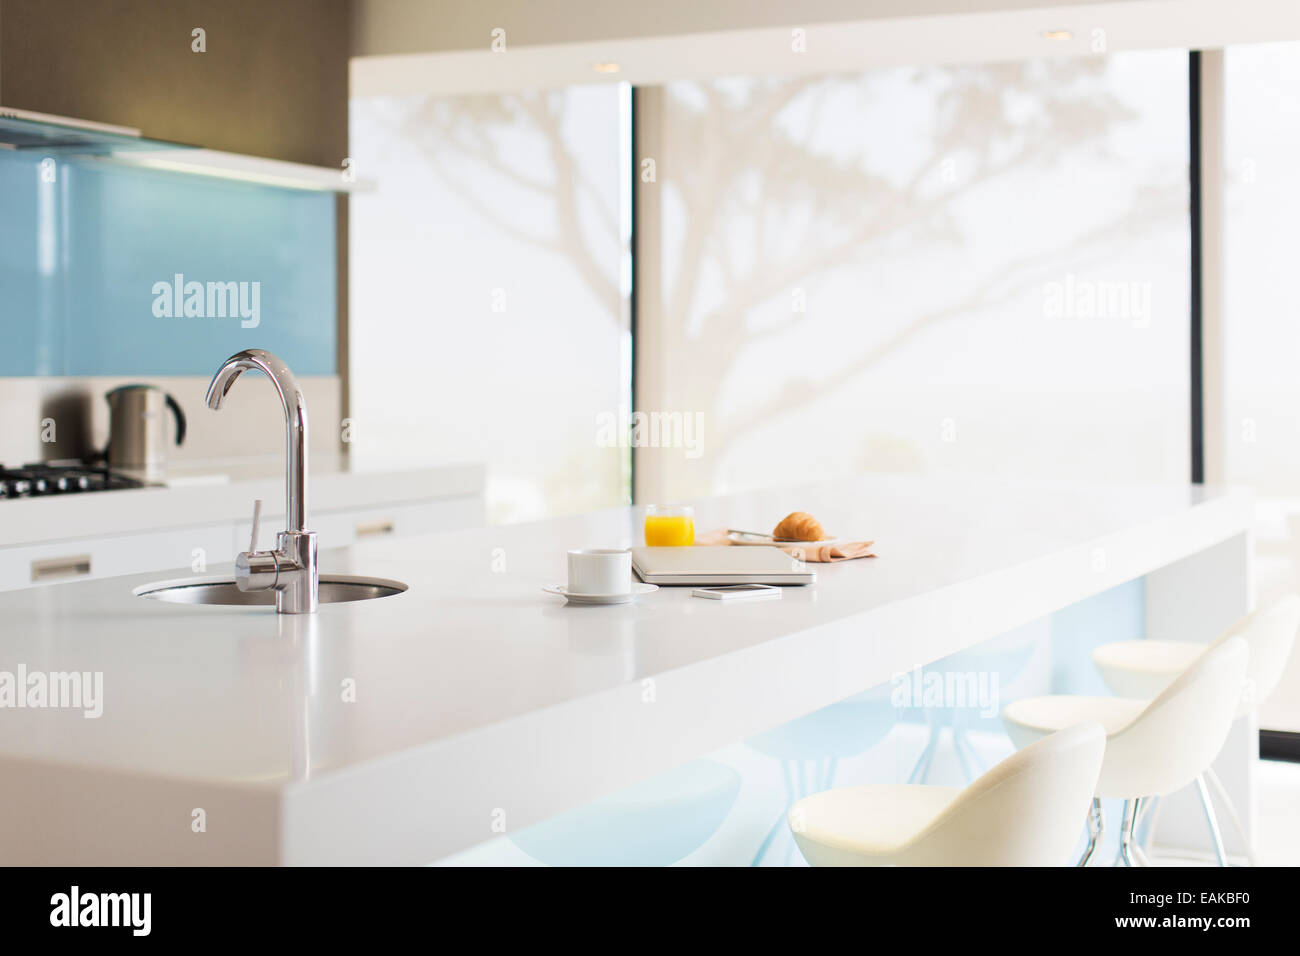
{"type": "Point", "coordinates": [89, 265]}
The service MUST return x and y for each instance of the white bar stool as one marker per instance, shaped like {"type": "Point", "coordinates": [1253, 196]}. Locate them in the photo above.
{"type": "Point", "coordinates": [1153, 747]}
{"type": "Point", "coordinates": [1145, 668]}
{"type": "Point", "coordinates": [1024, 812]}
{"type": "Point", "coordinates": [811, 747]}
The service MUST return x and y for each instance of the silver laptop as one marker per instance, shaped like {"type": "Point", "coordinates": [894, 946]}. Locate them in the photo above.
{"type": "Point", "coordinates": [719, 565]}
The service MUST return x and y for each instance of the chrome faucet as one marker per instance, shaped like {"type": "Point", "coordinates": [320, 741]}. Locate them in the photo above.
{"type": "Point", "coordinates": [290, 570]}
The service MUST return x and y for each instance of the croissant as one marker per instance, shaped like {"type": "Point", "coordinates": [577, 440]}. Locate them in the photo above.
{"type": "Point", "coordinates": [799, 526]}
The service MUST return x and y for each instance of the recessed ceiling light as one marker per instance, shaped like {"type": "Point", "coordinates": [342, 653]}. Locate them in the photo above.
{"type": "Point", "coordinates": [1058, 35]}
{"type": "Point", "coordinates": [605, 67]}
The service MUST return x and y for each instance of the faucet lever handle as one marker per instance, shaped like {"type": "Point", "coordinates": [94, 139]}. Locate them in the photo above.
{"type": "Point", "coordinates": [257, 519]}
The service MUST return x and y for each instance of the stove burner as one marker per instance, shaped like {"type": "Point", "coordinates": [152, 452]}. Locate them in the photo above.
{"type": "Point", "coordinates": [47, 479]}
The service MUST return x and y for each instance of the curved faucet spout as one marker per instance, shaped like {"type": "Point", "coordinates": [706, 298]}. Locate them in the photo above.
{"type": "Point", "coordinates": [295, 419]}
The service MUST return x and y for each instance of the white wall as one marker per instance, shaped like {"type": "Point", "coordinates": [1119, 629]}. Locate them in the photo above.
{"type": "Point", "coordinates": [409, 26]}
{"type": "Point", "coordinates": [403, 47]}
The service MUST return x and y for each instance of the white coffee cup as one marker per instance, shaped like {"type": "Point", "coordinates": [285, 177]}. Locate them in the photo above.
{"type": "Point", "coordinates": [600, 571]}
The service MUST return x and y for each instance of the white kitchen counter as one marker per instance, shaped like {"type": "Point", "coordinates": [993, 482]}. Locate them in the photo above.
{"type": "Point", "coordinates": [481, 700]}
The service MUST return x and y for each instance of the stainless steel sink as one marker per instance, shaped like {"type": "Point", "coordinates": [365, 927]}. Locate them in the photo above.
{"type": "Point", "coordinates": [334, 589]}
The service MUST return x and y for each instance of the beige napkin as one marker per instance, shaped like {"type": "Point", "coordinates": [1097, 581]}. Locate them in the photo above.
{"type": "Point", "coordinates": [816, 553]}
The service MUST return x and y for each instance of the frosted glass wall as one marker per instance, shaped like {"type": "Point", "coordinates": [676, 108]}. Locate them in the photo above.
{"type": "Point", "coordinates": [949, 269]}
{"type": "Point", "coordinates": [488, 291]}
{"type": "Point", "coordinates": [1262, 319]}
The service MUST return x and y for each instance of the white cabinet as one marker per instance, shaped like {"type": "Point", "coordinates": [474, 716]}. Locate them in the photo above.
{"type": "Point", "coordinates": [54, 562]}
{"type": "Point", "coordinates": [193, 549]}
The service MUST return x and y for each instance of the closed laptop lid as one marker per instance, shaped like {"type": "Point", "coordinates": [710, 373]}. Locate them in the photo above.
{"type": "Point", "coordinates": [719, 565]}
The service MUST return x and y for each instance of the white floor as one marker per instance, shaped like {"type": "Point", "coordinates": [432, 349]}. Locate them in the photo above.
{"type": "Point", "coordinates": [1278, 840]}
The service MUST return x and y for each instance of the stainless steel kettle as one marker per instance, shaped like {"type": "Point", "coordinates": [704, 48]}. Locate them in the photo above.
{"type": "Point", "coordinates": [137, 434]}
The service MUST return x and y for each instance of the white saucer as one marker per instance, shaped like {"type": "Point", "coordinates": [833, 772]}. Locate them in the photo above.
{"type": "Point", "coordinates": [637, 588]}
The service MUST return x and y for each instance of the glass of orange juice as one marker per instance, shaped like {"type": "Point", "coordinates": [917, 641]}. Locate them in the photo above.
{"type": "Point", "coordinates": [667, 526]}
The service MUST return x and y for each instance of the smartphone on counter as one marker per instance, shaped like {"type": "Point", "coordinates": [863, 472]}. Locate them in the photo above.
{"type": "Point", "coordinates": [738, 592]}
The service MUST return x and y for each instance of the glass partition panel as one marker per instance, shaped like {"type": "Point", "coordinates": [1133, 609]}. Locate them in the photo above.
{"type": "Point", "coordinates": [948, 269]}
{"type": "Point", "coordinates": [1261, 331]}
{"type": "Point", "coordinates": [488, 315]}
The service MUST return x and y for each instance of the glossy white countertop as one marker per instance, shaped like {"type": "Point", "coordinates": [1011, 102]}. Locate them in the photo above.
{"type": "Point", "coordinates": [222, 493]}
{"type": "Point", "coordinates": [475, 692]}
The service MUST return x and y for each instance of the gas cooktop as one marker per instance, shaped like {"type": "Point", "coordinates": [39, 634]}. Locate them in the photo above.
{"type": "Point", "coordinates": [53, 478]}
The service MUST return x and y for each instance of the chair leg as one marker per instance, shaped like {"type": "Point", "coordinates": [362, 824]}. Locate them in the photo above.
{"type": "Point", "coordinates": [921, 772]}
{"type": "Point", "coordinates": [957, 746]}
{"type": "Point", "coordinates": [1126, 855]}
{"type": "Point", "coordinates": [1151, 817]}
{"type": "Point", "coordinates": [828, 779]}
{"type": "Point", "coordinates": [1211, 820]}
{"type": "Point", "coordinates": [791, 795]}
{"type": "Point", "coordinates": [767, 840]}
{"type": "Point", "coordinates": [971, 763]}
{"type": "Point", "coordinates": [1216, 785]}
{"type": "Point", "coordinates": [1123, 815]}
{"type": "Point", "coordinates": [1095, 828]}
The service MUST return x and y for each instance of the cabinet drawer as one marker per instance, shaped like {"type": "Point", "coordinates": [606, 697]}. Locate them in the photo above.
{"type": "Point", "coordinates": [58, 562]}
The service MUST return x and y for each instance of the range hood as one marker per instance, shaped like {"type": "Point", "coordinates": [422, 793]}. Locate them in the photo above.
{"type": "Point", "coordinates": [86, 140]}
{"type": "Point", "coordinates": [23, 129]}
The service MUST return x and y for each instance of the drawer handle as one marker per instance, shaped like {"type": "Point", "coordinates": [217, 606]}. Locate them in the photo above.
{"type": "Point", "coordinates": [50, 569]}
{"type": "Point", "coordinates": [370, 529]}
